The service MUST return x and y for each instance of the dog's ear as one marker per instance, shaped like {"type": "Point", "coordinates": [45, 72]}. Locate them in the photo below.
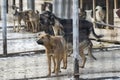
{"type": "Point", "coordinates": [37, 12]}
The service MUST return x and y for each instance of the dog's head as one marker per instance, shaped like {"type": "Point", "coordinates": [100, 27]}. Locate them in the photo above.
{"type": "Point", "coordinates": [43, 38]}
{"type": "Point", "coordinates": [47, 18]}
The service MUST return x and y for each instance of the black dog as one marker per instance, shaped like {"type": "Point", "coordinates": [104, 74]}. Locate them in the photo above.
{"type": "Point", "coordinates": [85, 27]}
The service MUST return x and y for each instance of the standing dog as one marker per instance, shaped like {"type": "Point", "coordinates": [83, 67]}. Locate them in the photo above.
{"type": "Point", "coordinates": [86, 44]}
{"type": "Point", "coordinates": [85, 29]}
{"type": "Point", "coordinates": [17, 16]}
{"type": "Point", "coordinates": [55, 50]}
{"type": "Point", "coordinates": [34, 20]}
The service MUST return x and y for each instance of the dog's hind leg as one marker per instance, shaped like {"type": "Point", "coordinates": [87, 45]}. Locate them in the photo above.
{"type": "Point", "coordinates": [90, 52]}
{"type": "Point", "coordinates": [83, 58]}
{"type": "Point", "coordinates": [32, 23]}
{"type": "Point", "coordinates": [64, 61]}
{"type": "Point", "coordinates": [36, 27]}
{"type": "Point", "coordinates": [49, 65]}
{"type": "Point", "coordinates": [54, 63]}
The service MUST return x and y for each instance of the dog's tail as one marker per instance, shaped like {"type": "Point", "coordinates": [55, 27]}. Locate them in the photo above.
{"type": "Point", "coordinates": [90, 51]}
{"type": "Point", "coordinates": [92, 56]}
{"type": "Point", "coordinates": [97, 36]}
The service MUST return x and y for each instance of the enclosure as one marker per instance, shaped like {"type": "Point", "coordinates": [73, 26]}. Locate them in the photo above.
{"type": "Point", "coordinates": [21, 58]}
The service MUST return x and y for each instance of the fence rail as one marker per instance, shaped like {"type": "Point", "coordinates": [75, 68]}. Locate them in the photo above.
{"type": "Point", "coordinates": [107, 25]}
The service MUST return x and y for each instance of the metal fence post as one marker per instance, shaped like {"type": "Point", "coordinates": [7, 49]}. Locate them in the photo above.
{"type": "Point", "coordinates": [21, 5]}
{"type": "Point", "coordinates": [7, 6]}
{"type": "Point", "coordinates": [4, 28]}
{"type": "Point", "coordinates": [31, 4]}
{"type": "Point", "coordinates": [76, 39]}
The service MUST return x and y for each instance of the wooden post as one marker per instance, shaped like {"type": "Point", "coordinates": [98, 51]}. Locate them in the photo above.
{"type": "Point", "coordinates": [81, 4]}
{"type": "Point", "coordinates": [94, 14]}
{"type": "Point", "coordinates": [107, 11]}
{"type": "Point", "coordinates": [60, 8]}
{"type": "Point", "coordinates": [69, 9]}
{"type": "Point", "coordinates": [115, 4]}
{"type": "Point", "coordinates": [4, 28]}
{"type": "Point", "coordinates": [76, 39]}
{"type": "Point", "coordinates": [54, 5]}
{"type": "Point", "coordinates": [94, 4]}
{"type": "Point", "coordinates": [66, 9]}
{"type": "Point", "coordinates": [21, 5]}
{"type": "Point", "coordinates": [13, 3]}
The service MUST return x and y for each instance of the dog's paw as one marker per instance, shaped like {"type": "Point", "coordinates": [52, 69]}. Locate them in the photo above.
{"type": "Point", "coordinates": [59, 71]}
{"type": "Point", "coordinates": [81, 66]}
{"type": "Point", "coordinates": [64, 67]}
{"type": "Point", "coordinates": [53, 71]}
{"type": "Point", "coordinates": [48, 75]}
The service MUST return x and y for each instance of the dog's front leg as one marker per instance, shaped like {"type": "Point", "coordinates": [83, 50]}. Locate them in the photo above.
{"type": "Point", "coordinates": [14, 29]}
{"type": "Point", "coordinates": [35, 28]}
{"type": "Point", "coordinates": [32, 23]}
{"type": "Point", "coordinates": [53, 58]}
{"type": "Point", "coordinates": [49, 65]}
{"type": "Point", "coordinates": [19, 26]}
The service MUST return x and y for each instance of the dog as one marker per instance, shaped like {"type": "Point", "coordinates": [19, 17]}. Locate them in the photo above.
{"type": "Point", "coordinates": [83, 45]}
{"type": "Point", "coordinates": [34, 20]}
{"type": "Point", "coordinates": [17, 16]}
{"type": "Point", "coordinates": [85, 28]}
{"type": "Point", "coordinates": [48, 18]}
{"type": "Point", "coordinates": [55, 50]}
{"type": "Point", "coordinates": [86, 44]}
{"type": "Point", "coordinates": [46, 6]}
{"type": "Point", "coordinates": [26, 20]}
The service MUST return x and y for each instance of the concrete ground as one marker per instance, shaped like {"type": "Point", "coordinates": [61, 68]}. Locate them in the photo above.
{"type": "Point", "coordinates": [33, 65]}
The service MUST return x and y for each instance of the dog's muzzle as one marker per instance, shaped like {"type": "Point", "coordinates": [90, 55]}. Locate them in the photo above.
{"type": "Point", "coordinates": [39, 42]}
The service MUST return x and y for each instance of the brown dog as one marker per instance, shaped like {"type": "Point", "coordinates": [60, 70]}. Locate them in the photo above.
{"type": "Point", "coordinates": [17, 16]}
{"type": "Point", "coordinates": [55, 49]}
{"type": "Point", "coordinates": [34, 20]}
